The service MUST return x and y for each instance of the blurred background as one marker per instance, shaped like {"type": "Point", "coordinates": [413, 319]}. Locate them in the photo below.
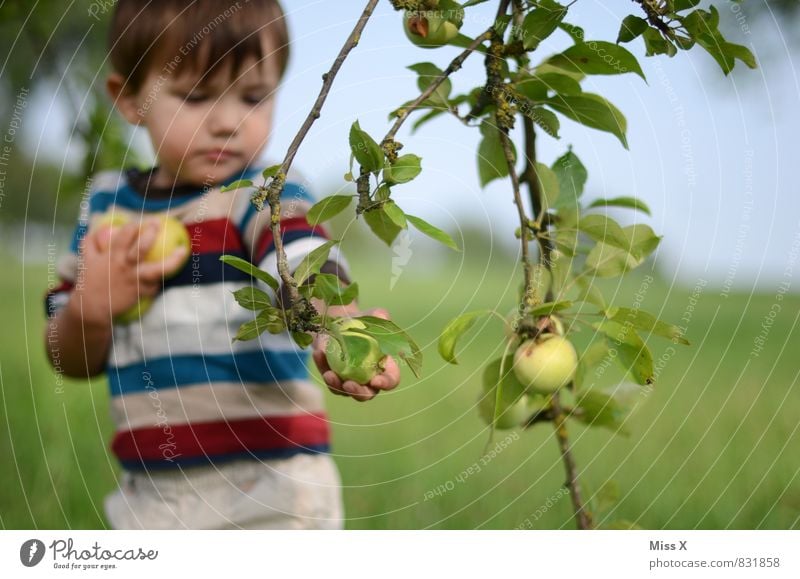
{"type": "Point", "coordinates": [712, 445]}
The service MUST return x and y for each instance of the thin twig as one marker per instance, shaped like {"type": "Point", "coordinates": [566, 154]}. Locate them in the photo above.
{"type": "Point", "coordinates": [584, 517]}
{"type": "Point", "coordinates": [272, 193]}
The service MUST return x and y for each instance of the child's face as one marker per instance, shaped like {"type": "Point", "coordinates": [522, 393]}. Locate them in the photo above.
{"type": "Point", "coordinates": [204, 133]}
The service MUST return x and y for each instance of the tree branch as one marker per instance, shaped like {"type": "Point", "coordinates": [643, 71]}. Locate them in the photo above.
{"type": "Point", "coordinates": [584, 517]}
{"type": "Point", "coordinates": [272, 192]}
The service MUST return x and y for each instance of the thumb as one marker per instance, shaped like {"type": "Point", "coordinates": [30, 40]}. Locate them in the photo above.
{"type": "Point", "coordinates": [378, 313]}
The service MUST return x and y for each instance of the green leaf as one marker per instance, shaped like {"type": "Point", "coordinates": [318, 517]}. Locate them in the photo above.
{"type": "Point", "coordinates": [544, 118]}
{"type": "Point", "coordinates": [252, 298]}
{"type": "Point", "coordinates": [432, 231]}
{"type": "Point", "coordinates": [741, 53]}
{"type": "Point", "coordinates": [453, 332]}
{"type": "Point", "coordinates": [593, 111]}
{"type": "Point", "coordinates": [703, 27]}
{"type": "Point", "coordinates": [381, 224]}
{"type": "Point", "coordinates": [572, 176]}
{"type": "Point", "coordinates": [364, 148]}
{"type": "Point", "coordinates": [270, 172]}
{"type": "Point", "coordinates": [541, 281]}
{"type": "Point", "coordinates": [270, 319]}
{"type": "Point", "coordinates": [541, 23]}
{"type": "Point", "coordinates": [627, 202]}
{"type": "Point", "coordinates": [394, 341]}
{"type": "Point", "coordinates": [250, 269]}
{"type": "Point", "coordinates": [241, 183]}
{"type": "Point", "coordinates": [302, 339]}
{"type": "Point", "coordinates": [550, 307]}
{"type": "Point", "coordinates": [492, 162]}
{"type": "Point", "coordinates": [647, 322]}
{"type": "Point", "coordinates": [536, 86]}
{"type": "Point", "coordinates": [575, 32]}
{"type": "Point", "coordinates": [313, 261]}
{"type": "Point", "coordinates": [548, 185]}
{"type": "Point", "coordinates": [632, 26]}
{"type": "Point", "coordinates": [655, 43]}
{"type": "Point", "coordinates": [403, 170]}
{"type": "Point", "coordinates": [502, 387]}
{"type": "Point", "coordinates": [610, 261]}
{"type": "Point", "coordinates": [396, 214]}
{"type": "Point", "coordinates": [428, 73]}
{"type": "Point", "coordinates": [598, 408]}
{"type": "Point", "coordinates": [631, 351]}
{"type": "Point", "coordinates": [597, 57]}
{"type": "Point", "coordinates": [606, 496]}
{"type": "Point", "coordinates": [605, 230]}
{"type": "Point", "coordinates": [330, 290]}
{"type": "Point", "coordinates": [590, 359]}
{"type": "Point", "coordinates": [678, 5]}
{"type": "Point", "coordinates": [328, 208]}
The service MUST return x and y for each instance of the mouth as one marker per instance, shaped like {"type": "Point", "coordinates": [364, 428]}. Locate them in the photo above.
{"type": "Point", "coordinates": [218, 155]}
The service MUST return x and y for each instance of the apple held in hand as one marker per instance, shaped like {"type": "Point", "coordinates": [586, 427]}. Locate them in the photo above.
{"type": "Point", "coordinates": [436, 27]}
{"type": "Point", "coordinates": [546, 364]}
{"type": "Point", "coordinates": [171, 236]}
{"type": "Point", "coordinates": [363, 359]}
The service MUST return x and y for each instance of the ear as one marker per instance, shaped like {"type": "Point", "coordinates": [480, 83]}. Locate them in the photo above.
{"type": "Point", "coordinates": [124, 100]}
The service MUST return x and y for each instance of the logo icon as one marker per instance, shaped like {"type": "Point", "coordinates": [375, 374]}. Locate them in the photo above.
{"type": "Point", "coordinates": [31, 552]}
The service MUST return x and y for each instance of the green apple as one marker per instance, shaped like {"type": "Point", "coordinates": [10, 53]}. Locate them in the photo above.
{"type": "Point", "coordinates": [434, 28]}
{"type": "Point", "coordinates": [135, 313]}
{"type": "Point", "coordinates": [511, 415]}
{"type": "Point", "coordinates": [364, 359]}
{"type": "Point", "coordinates": [546, 364]}
{"type": "Point", "coordinates": [172, 235]}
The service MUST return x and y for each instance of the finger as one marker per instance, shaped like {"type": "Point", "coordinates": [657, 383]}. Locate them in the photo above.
{"type": "Point", "coordinates": [146, 237]}
{"type": "Point", "coordinates": [378, 313]}
{"type": "Point", "coordinates": [389, 378]}
{"type": "Point", "coordinates": [101, 238]}
{"type": "Point", "coordinates": [321, 361]}
{"type": "Point", "coordinates": [156, 271]}
{"type": "Point", "coordinates": [359, 392]}
{"type": "Point", "coordinates": [123, 237]}
{"type": "Point", "coordinates": [334, 383]}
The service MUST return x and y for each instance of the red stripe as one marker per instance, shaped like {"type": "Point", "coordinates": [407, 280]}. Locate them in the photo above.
{"type": "Point", "coordinates": [220, 438]}
{"type": "Point", "coordinates": [64, 287]}
{"type": "Point", "coordinates": [214, 236]}
{"type": "Point", "coordinates": [290, 224]}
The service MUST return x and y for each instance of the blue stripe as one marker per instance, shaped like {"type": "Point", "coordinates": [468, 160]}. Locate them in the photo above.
{"type": "Point", "coordinates": [261, 366]}
{"type": "Point", "coordinates": [290, 191]}
{"type": "Point", "coordinates": [141, 465]}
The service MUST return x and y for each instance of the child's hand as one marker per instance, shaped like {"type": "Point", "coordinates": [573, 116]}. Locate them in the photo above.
{"type": "Point", "coordinates": [387, 380]}
{"type": "Point", "coordinates": [112, 276]}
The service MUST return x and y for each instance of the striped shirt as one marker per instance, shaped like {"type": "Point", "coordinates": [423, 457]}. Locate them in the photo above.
{"type": "Point", "coordinates": [182, 393]}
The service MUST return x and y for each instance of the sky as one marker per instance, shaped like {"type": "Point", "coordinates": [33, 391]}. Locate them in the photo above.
{"type": "Point", "coordinates": [714, 157]}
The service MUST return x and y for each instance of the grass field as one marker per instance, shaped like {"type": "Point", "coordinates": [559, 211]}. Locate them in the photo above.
{"type": "Point", "coordinates": [713, 445]}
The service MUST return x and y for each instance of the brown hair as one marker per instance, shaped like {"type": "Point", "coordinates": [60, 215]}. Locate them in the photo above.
{"type": "Point", "coordinates": [199, 33]}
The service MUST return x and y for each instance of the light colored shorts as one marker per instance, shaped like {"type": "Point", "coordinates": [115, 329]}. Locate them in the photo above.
{"type": "Point", "coordinates": [299, 492]}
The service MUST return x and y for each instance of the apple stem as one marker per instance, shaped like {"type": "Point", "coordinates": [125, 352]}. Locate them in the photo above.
{"type": "Point", "coordinates": [582, 514]}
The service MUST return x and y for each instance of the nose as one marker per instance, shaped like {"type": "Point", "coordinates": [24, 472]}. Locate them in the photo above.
{"type": "Point", "coordinates": [224, 118]}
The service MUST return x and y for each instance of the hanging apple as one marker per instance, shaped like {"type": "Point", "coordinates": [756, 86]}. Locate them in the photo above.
{"type": "Point", "coordinates": [545, 364]}
{"type": "Point", "coordinates": [436, 27]}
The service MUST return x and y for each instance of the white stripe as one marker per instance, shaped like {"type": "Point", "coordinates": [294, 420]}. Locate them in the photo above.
{"type": "Point", "coordinates": [191, 320]}
{"type": "Point", "coordinates": [213, 402]}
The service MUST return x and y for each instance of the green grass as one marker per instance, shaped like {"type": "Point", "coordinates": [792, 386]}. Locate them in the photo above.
{"type": "Point", "coordinates": [714, 445]}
